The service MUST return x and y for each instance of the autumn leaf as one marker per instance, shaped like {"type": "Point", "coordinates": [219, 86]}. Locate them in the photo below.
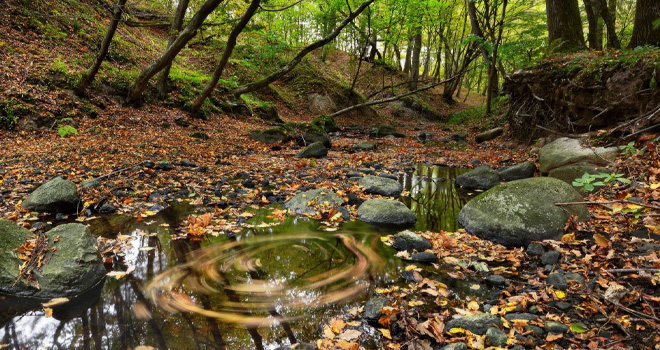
{"type": "Point", "coordinates": [55, 301]}
{"type": "Point", "coordinates": [385, 332]}
{"type": "Point", "coordinates": [601, 240]}
{"type": "Point", "coordinates": [349, 334]}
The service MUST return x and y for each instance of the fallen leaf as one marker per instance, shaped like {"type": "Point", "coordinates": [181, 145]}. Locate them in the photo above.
{"type": "Point", "coordinates": [349, 334]}
{"type": "Point", "coordinates": [385, 332]}
{"type": "Point", "coordinates": [55, 301]}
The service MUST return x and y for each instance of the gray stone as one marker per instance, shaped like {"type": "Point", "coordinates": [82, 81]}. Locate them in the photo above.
{"type": "Point", "coordinates": [557, 280]}
{"type": "Point", "coordinates": [424, 257]}
{"type": "Point", "coordinates": [387, 130]}
{"type": "Point", "coordinates": [538, 331]}
{"type": "Point", "coordinates": [164, 165]}
{"type": "Point", "coordinates": [199, 135]}
{"type": "Point", "coordinates": [55, 196]}
{"type": "Point", "coordinates": [535, 249]}
{"type": "Point", "coordinates": [181, 121]}
{"type": "Point", "coordinates": [459, 136]}
{"type": "Point", "coordinates": [271, 136]}
{"type": "Point", "coordinates": [381, 185]}
{"type": "Point", "coordinates": [299, 204]}
{"type": "Point", "coordinates": [555, 327]}
{"type": "Point", "coordinates": [372, 309]}
{"type": "Point", "coordinates": [565, 151]}
{"type": "Point", "coordinates": [517, 172]}
{"type": "Point", "coordinates": [314, 135]}
{"type": "Point", "coordinates": [520, 316]}
{"type": "Point", "coordinates": [75, 267]}
{"type": "Point", "coordinates": [550, 258]}
{"type": "Point", "coordinates": [497, 280]}
{"type": "Point", "coordinates": [298, 346]}
{"type": "Point", "coordinates": [562, 305]}
{"type": "Point", "coordinates": [572, 276]}
{"type": "Point", "coordinates": [488, 135]}
{"type": "Point", "coordinates": [477, 324]}
{"type": "Point", "coordinates": [386, 212]}
{"type": "Point", "coordinates": [410, 241]}
{"type": "Point", "coordinates": [481, 178]}
{"type": "Point", "coordinates": [91, 183]}
{"type": "Point", "coordinates": [326, 123]}
{"type": "Point", "coordinates": [149, 163]}
{"type": "Point", "coordinates": [321, 104]}
{"type": "Point", "coordinates": [424, 136]}
{"type": "Point", "coordinates": [315, 150]}
{"type": "Point", "coordinates": [519, 212]}
{"type": "Point", "coordinates": [107, 209]}
{"type": "Point", "coordinates": [569, 173]}
{"type": "Point", "coordinates": [365, 146]}
{"type": "Point", "coordinates": [495, 337]}
{"type": "Point", "coordinates": [455, 346]}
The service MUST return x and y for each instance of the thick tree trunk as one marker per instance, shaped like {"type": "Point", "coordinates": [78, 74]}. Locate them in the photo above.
{"type": "Point", "coordinates": [177, 23]}
{"type": "Point", "coordinates": [414, 68]}
{"type": "Point", "coordinates": [166, 57]}
{"type": "Point", "coordinates": [564, 25]}
{"type": "Point", "coordinates": [298, 58]}
{"type": "Point", "coordinates": [229, 48]}
{"type": "Point", "coordinates": [105, 47]}
{"type": "Point", "coordinates": [647, 28]}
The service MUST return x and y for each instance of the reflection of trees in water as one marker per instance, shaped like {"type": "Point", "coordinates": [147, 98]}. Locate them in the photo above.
{"type": "Point", "coordinates": [434, 198]}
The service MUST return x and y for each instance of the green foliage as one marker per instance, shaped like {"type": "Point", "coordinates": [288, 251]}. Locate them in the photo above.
{"type": "Point", "coordinates": [630, 149]}
{"type": "Point", "coordinates": [66, 131]}
{"type": "Point", "coordinates": [8, 115]}
{"type": "Point", "coordinates": [588, 181]}
{"type": "Point", "coordinates": [477, 114]}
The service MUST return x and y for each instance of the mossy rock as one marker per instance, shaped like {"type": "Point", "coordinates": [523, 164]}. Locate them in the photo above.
{"type": "Point", "coordinates": [325, 122]}
{"type": "Point", "coordinates": [199, 135]}
{"type": "Point", "coordinates": [272, 136]}
{"type": "Point", "coordinates": [268, 112]}
{"type": "Point", "coordinates": [386, 130]}
{"type": "Point", "coordinates": [55, 196]}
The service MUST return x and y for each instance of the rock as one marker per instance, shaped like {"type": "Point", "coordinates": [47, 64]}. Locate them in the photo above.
{"type": "Point", "coordinates": [557, 280]}
{"type": "Point", "coordinates": [424, 257]}
{"type": "Point", "coordinates": [410, 241]}
{"type": "Point", "coordinates": [74, 268]}
{"type": "Point", "coordinates": [565, 151]}
{"type": "Point", "coordinates": [181, 121]}
{"type": "Point", "coordinates": [315, 135]}
{"type": "Point", "coordinates": [372, 309]}
{"type": "Point", "coordinates": [367, 171]}
{"type": "Point", "coordinates": [381, 185]}
{"type": "Point", "coordinates": [459, 136]}
{"type": "Point", "coordinates": [353, 199]}
{"type": "Point", "coordinates": [364, 146]}
{"type": "Point", "coordinates": [520, 316]}
{"type": "Point", "coordinates": [149, 164]}
{"type": "Point", "coordinates": [315, 150]}
{"type": "Point", "coordinates": [271, 136]}
{"type": "Point", "coordinates": [481, 178]}
{"type": "Point", "coordinates": [386, 212]}
{"type": "Point", "coordinates": [424, 136]}
{"type": "Point", "coordinates": [569, 173]}
{"type": "Point", "coordinates": [572, 276]}
{"type": "Point", "coordinates": [550, 258]}
{"type": "Point", "coordinates": [517, 172]}
{"type": "Point", "coordinates": [298, 346]}
{"type": "Point", "coordinates": [187, 163]}
{"type": "Point", "coordinates": [299, 204]}
{"type": "Point", "coordinates": [495, 337]}
{"type": "Point", "coordinates": [519, 212]}
{"type": "Point", "coordinates": [555, 327]}
{"type": "Point", "coordinates": [164, 165]}
{"type": "Point", "coordinates": [535, 249]}
{"type": "Point", "coordinates": [497, 280]}
{"type": "Point", "coordinates": [268, 112]}
{"type": "Point", "coordinates": [562, 305]}
{"type": "Point", "coordinates": [488, 135]}
{"type": "Point", "coordinates": [321, 104]}
{"type": "Point", "coordinates": [326, 123]}
{"type": "Point", "coordinates": [477, 324]}
{"type": "Point", "coordinates": [107, 209]}
{"type": "Point", "coordinates": [386, 130]}
{"type": "Point", "coordinates": [91, 183]}
{"type": "Point", "coordinates": [55, 196]}
{"type": "Point", "coordinates": [199, 135]}
{"type": "Point", "coordinates": [455, 346]}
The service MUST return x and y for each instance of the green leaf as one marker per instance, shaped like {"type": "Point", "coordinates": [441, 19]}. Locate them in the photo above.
{"type": "Point", "coordinates": [624, 180]}
{"type": "Point", "coordinates": [577, 184]}
{"type": "Point", "coordinates": [578, 328]}
{"type": "Point", "coordinates": [589, 187]}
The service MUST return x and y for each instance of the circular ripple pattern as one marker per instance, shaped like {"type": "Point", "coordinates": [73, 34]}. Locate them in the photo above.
{"type": "Point", "coordinates": [266, 279]}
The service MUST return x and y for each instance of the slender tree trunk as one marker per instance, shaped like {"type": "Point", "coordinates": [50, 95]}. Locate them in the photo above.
{"type": "Point", "coordinates": [493, 79]}
{"type": "Point", "coordinates": [647, 29]}
{"type": "Point", "coordinates": [608, 12]}
{"type": "Point", "coordinates": [595, 34]}
{"type": "Point", "coordinates": [298, 58]}
{"type": "Point", "coordinates": [177, 23]}
{"type": "Point", "coordinates": [229, 48]}
{"type": "Point", "coordinates": [166, 57]}
{"type": "Point", "coordinates": [414, 68]}
{"type": "Point", "coordinates": [564, 25]}
{"type": "Point", "coordinates": [105, 47]}
{"type": "Point", "coordinates": [408, 62]}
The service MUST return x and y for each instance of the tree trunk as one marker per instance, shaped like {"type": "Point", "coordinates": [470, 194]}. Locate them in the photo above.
{"type": "Point", "coordinates": [595, 34]}
{"type": "Point", "coordinates": [414, 68]}
{"type": "Point", "coordinates": [493, 79]}
{"type": "Point", "coordinates": [166, 57]}
{"type": "Point", "coordinates": [229, 48]}
{"type": "Point", "coordinates": [294, 62]}
{"type": "Point", "coordinates": [105, 47]}
{"type": "Point", "coordinates": [608, 12]}
{"type": "Point", "coordinates": [407, 63]}
{"type": "Point", "coordinates": [646, 30]}
{"type": "Point", "coordinates": [177, 23]}
{"type": "Point", "coordinates": [564, 25]}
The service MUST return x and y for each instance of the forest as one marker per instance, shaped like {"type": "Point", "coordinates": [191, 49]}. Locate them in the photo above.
{"type": "Point", "coordinates": [329, 174]}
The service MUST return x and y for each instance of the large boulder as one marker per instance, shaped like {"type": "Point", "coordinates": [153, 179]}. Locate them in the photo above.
{"type": "Point", "coordinates": [381, 185]}
{"type": "Point", "coordinates": [569, 173]}
{"type": "Point", "coordinates": [314, 150]}
{"type": "Point", "coordinates": [386, 212]}
{"type": "Point", "coordinates": [565, 151]}
{"type": "Point", "coordinates": [307, 202]}
{"type": "Point", "coordinates": [481, 178]}
{"type": "Point", "coordinates": [321, 104]}
{"type": "Point", "coordinates": [74, 266]}
{"type": "Point", "coordinates": [271, 136]}
{"type": "Point", "coordinates": [519, 212]}
{"type": "Point", "coordinates": [55, 196]}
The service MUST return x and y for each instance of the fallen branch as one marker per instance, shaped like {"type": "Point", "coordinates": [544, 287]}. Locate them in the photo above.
{"type": "Point", "coordinates": [610, 202]}
{"type": "Point", "coordinates": [632, 270]}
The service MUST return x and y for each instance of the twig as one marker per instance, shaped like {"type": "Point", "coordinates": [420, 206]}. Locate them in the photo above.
{"type": "Point", "coordinates": [115, 172]}
{"type": "Point", "coordinates": [631, 270]}
{"type": "Point", "coordinates": [550, 130]}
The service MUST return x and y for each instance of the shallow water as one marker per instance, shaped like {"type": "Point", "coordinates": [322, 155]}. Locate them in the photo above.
{"type": "Point", "coordinates": [263, 288]}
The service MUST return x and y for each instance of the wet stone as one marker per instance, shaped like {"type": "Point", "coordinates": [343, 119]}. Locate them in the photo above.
{"type": "Point", "coordinates": [555, 327]}
{"type": "Point", "coordinates": [562, 305]}
{"type": "Point", "coordinates": [107, 209]}
{"type": "Point", "coordinates": [388, 176]}
{"type": "Point", "coordinates": [187, 163]}
{"type": "Point", "coordinates": [424, 257]}
{"type": "Point", "coordinates": [550, 258]}
{"type": "Point", "coordinates": [477, 324]}
{"type": "Point", "coordinates": [535, 249]}
{"type": "Point", "coordinates": [164, 165]}
{"type": "Point", "coordinates": [557, 280]}
{"type": "Point", "coordinates": [520, 316]}
{"type": "Point", "coordinates": [572, 276]}
{"type": "Point", "coordinates": [495, 337]}
{"type": "Point", "coordinates": [410, 241]}
{"type": "Point", "coordinates": [372, 309]}
{"type": "Point", "coordinates": [497, 280]}
{"type": "Point", "coordinates": [455, 346]}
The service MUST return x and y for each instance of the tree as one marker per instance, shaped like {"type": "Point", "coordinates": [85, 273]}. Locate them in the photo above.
{"type": "Point", "coordinates": [646, 30]}
{"type": "Point", "coordinates": [564, 25]}
{"type": "Point", "coordinates": [177, 23]}
{"type": "Point", "coordinates": [170, 53]}
{"type": "Point", "coordinates": [105, 47]}
{"type": "Point", "coordinates": [229, 48]}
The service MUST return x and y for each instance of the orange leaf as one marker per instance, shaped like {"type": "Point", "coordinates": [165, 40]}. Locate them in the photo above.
{"type": "Point", "coordinates": [601, 241]}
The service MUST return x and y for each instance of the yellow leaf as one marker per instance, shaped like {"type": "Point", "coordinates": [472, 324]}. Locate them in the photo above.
{"type": "Point", "coordinates": [473, 305]}
{"type": "Point", "coordinates": [456, 330]}
{"type": "Point", "coordinates": [617, 207]}
{"type": "Point", "coordinates": [144, 347]}
{"type": "Point", "coordinates": [385, 332]}
{"type": "Point", "coordinates": [55, 301]}
{"type": "Point", "coordinates": [560, 294]}
{"type": "Point", "coordinates": [349, 334]}
{"type": "Point", "coordinates": [652, 186]}
{"type": "Point", "coordinates": [568, 238]}
{"type": "Point", "coordinates": [601, 240]}
{"type": "Point", "coordinates": [48, 311]}
{"type": "Point", "coordinates": [411, 267]}
{"type": "Point", "coordinates": [415, 303]}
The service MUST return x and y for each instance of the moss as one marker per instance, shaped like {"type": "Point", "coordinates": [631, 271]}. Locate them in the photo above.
{"type": "Point", "coordinates": [282, 97]}
{"type": "Point", "coordinates": [326, 123]}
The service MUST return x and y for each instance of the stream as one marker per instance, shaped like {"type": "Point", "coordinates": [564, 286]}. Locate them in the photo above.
{"type": "Point", "coordinates": [260, 289]}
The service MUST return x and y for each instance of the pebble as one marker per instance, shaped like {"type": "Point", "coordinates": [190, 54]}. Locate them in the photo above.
{"type": "Point", "coordinates": [550, 258]}
{"type": "Point", "coordinates": [535, 249]}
